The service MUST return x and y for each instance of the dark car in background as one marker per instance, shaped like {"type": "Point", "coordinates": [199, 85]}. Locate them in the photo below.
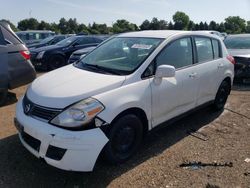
{"type": "Point", "coordinates": [34, 36]}
{"type": "Point", "coordinates": [55, 56]}
{"type": "Point", "coordinates": [15, 66]}
{"type": "Point", "coordinates": [76, 55]}
{"type": "Point", "coordinates": [239, 47]}
{"type": "Point", "coordinates": [48, 41]}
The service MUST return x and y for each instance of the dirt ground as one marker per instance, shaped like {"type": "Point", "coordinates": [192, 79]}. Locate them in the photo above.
{"type": "Point", "coordinates": [219, 141]}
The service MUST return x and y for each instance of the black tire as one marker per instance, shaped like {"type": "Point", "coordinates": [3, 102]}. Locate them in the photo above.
{"type": "Point", "coordinates": [3, 96]}
{"type": "Point", "coordinates": [56, 62]}
{"type": "Point", "coordinates": [221, 96]}
{"type": "Point", "coordinates": [125, 138]}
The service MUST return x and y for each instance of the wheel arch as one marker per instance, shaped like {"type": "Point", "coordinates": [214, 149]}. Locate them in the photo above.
{"type": "Point", "coordinates": [140, 113]}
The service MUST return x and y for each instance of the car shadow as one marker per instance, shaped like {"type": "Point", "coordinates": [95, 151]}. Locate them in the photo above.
{"type": "Point", "coordinates": [22, 169]}
{"type": "Point", "coordinates": [11, 99]}
{"type": "Point", "coordinates": [241, 86]}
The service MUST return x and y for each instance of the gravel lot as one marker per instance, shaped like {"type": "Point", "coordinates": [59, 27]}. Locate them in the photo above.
{"type": "Point", "coordinates": [211, 138]}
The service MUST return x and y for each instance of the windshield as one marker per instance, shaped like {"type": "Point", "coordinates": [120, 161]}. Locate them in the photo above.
{"type": "Point", "coordinates": [120, 55]}
{"type": "Point", "coordinates": [66, 41]}
{"type": "Point", "coordinates": [46, 40]}
{"type": "Point", "coordinates": [237, 42]}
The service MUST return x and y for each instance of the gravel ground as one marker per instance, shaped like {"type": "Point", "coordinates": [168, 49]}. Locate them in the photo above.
{"type": "Point", "coordinates": [221, 138]}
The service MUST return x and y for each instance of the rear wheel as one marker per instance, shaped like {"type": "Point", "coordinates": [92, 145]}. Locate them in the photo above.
{"type": "Point", "coordinates": [221, 96]}
{"type": "Point", "coordinates": [125, 138]}
{"type": "Point", "coordinates": [56, 62]}
{"type": "Point", "coordinates": [3, 96]}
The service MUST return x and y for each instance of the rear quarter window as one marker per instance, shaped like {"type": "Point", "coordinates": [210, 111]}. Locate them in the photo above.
{"type": "Point", "coordinates": [204, 49]}
{"type": "Point", "coordinates": [216, 48]}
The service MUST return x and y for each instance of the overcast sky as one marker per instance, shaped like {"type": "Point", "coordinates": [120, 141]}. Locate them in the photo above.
{"type": "Point", "coordinates": [136, 11]}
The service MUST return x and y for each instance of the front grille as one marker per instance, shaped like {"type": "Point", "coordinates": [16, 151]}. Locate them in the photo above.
{"type": "Point", "coordinates": [37, 111]}
{"type": "Point", "coordinates": [31, 141]}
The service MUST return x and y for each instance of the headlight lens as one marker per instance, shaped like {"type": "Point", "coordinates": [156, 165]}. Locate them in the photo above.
{"type": "Point", "coordinates": [78, 114]}
{"type": "Point", "coordinates": [40, 55]}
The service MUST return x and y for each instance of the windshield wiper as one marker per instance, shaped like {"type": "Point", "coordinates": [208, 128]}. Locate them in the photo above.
{"type": "Point", "coordinates": [103, 69]}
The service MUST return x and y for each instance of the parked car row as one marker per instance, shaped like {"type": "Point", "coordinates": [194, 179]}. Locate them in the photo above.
{"type": "Point", "coordinates": [34, 36]}
{"type": "Point", "coordinates": [54, 56]}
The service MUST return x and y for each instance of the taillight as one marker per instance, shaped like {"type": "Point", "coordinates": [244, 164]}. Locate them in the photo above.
{"type": "Point", "coordinates": [231, 59]}
{"type": "Point", "coordinates": [25, 54]}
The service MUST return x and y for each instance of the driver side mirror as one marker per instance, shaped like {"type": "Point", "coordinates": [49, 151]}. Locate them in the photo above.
{"type": "Point", "coordinates": [165, 71]}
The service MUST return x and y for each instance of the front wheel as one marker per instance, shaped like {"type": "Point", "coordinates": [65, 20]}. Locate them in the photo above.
{"type": "Point", "coordinates": [125, 137]}
{"type": "Point", "coordinates": [221, 96]}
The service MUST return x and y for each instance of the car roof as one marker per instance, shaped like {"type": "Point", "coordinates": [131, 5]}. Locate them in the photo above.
{"type": "Point", "coordinates": [162, 33]}
{"type": "Point", "coordinates": [238, 35]}
{"type": "Point", "coordinates": [36, 31]}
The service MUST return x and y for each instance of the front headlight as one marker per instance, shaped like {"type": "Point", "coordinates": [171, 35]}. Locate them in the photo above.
{"type": "Point", "coordinates": [40, 55]}
{"type": "Point", "coordinates": [78, 114]}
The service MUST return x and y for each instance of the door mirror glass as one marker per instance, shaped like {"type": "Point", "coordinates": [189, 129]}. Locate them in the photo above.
{"type": "Point", "coordinates": [166, 71]}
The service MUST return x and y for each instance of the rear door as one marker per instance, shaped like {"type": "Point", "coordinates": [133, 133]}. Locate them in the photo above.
{"type": "Point", "coordinates": [174, 96]}
{"type": "Point", "coordinates": [208, 69]}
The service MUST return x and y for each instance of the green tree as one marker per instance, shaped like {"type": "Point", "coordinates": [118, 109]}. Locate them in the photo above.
{"type": "Point", "coordinates": [248, 27]}
{"type": "Point", "coordinates": [235, 24]}
{"type": "Point", "coordinates": [205, 26]}
{"type": "Point", "coordinates": [191, 26]}
{"type": "Point", "coordinates": [121, 26]}
{"type": "Point", "coordinates": [43, 26]}
{"type": "Point", "coordinates": [212, 25]}
{"type": "Point", "coordinates": [63, 26]}
{"type": "Point", "coordinates": [201, 26]}
{"type": "Point", "coordinates": [28, 24]}
{"type": "Point", "coordinates": [170, 26]}
{"type": "Point", "coordinates": [72, 26]}
{"type": "Point", "coordinates": [221, 27]}
{"type": "Point", "coordinates": [145, 25]}
{"type": "Point", "coordinates": [181, 20]}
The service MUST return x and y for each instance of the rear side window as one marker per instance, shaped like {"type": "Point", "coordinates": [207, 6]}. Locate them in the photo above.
{"type": "Point", "coordinates": [178, 54]}
{"type": "Point", "coordinates": [216, 48]}
{"type": "Point", "coordinates": [204, 49]}
{"type": "Point", "coordinates": [8, 37]}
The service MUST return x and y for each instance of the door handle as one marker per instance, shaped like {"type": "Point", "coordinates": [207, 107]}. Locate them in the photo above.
{"type": "Point", "coordinates": [221, 65]}
{"type": "Point", "coordinates": [193, 75]}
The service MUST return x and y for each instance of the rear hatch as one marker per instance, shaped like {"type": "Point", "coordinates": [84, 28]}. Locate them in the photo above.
{"type": "Point", "coordinates": [17, 68]}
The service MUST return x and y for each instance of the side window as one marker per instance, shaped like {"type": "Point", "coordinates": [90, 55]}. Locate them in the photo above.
{"type": "Point", "coordinates": [85, 40]}
{"type": "Point", "coordinates": [178, 54]}
{"type": "Point", "coordinates": [8, 37]}
{"type": "Point", "coordinates": [216, 48]}
{"type": "Point", "coordinates": [204, 49]}
{"type": "Point", "coordinates": [98, 40]}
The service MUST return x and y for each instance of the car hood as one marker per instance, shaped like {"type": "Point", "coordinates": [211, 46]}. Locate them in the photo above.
{"type": "Point", "coordinates": [239, 52]}
{"type": "Point", "coordinates": [67, 85]}
{"type": "Point", "coordinates": [45, 48]}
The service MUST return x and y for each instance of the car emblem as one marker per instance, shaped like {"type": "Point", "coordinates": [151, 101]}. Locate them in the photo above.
{"type": "Point", "coordinates": [27, 108]}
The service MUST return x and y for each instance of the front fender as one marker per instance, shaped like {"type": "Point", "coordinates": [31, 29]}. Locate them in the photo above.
{"type": "Point", "coordinates": [136, 95]}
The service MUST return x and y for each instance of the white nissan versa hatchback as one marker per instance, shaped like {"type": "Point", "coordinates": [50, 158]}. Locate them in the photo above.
{"type": "Point", "coordinates": [125, 87]}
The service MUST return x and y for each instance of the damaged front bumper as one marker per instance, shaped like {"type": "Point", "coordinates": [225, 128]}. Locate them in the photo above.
{"type": "Point", "coordinates": [64, 149]}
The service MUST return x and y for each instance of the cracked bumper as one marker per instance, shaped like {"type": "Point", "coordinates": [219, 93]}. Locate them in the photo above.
{"type": "Point", "coordinates": [81, 147]}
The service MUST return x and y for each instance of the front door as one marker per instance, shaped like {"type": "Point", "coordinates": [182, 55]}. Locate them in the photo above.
{"type": "Point", "coordinates": [174, 96]}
